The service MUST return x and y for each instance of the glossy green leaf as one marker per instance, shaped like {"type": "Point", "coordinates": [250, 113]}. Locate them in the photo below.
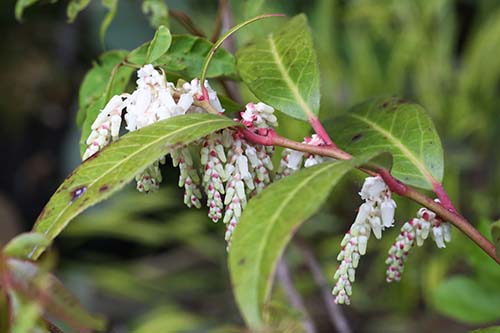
{"type": "Point", "coordinates": [398, 127]}
{"type": "Point", "coordinates": [185, 57]}
{"type": "Point", "coordinates": [96, 81]}
{"type": "Point", "coordinates": [159, 45]}
{"type": "Point", "coordinates": [282, 70]}
{"type": "Point", "coordinates": [117, 164]}
{"type": "Point", "coordinates": [495, 234]}
{"type": "Point", "coordinates": [267, 225]}
{"type": "Point", "coordinates": [75, 7]}
{"type": "Point", "coordinates": [21, 5]}
{"type": "Point", "coordinates": [111, 5]}
{"type": "Point", "coordinates": [22, 245]}
{"type": "Point", "coordinates": [43, 288]}
{"type": "Point", "coordinates": [467, 300]}
{"type": "Point", "coordinates": [157, 12]}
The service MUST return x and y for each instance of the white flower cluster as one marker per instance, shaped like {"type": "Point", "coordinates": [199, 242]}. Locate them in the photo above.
{"type": "Point", "coordinates": [248, 166]}
{"type": "Point", "coordinates": [293, 160]}
{"type": "Point", "coordinates": [231, 168]}
{"type": "Point", "coordinates": [375, 214]}
{"type": "Point", "coordinates": [212, 159]}
{"type": "Point", "coordinates": [415, 231]}
{"type": "Point", "coordinates": [188, 177]}
{"type": "Point", "coordinates": [153, 100]}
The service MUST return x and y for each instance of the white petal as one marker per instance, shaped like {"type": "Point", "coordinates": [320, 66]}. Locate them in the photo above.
{"type": "Point", "coordinates": [363, 212]}
{"type": "Point", "coordinates": [387, 209]}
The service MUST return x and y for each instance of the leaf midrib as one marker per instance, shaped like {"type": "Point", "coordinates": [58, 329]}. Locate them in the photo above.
{"type": "Point", "coordinates": [273, 218]}
{"type": "Point", "coordinates": [288, 80]}
{"type": "Point", "coordinates": [141, 149]}
{"type": "Point", "coordinates": [414, 159]}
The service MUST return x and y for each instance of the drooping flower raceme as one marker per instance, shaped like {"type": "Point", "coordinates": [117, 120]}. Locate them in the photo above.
{"type": "Point", "coordinates": [374, 215]}
{"type": "Point", "coordinates": [231, 168]}
{"type": "Point", "coordinates": [415, 231]}
{"type": "Point", "coordinates": [213, 158]}
{"type": "Point", "coordinates": [248, 166]}
{"type": "Point", "coordinates": [105, 127]}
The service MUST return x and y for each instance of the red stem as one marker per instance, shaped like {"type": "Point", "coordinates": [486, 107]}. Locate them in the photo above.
{"type": "Point", "coordinates": [442, 209]}
{"type": "Point", "coordinates": [321, 132]}
{"type": "Point", "coordinates": [443, 196]}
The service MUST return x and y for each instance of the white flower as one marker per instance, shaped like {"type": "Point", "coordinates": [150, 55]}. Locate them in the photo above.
{"type": "Point", "coordinates": [188, 177]}
{"type": "Point", "coordinates": [374, 215]}
{"type": "Point", "coordinates": [212, 157]}
{"type": "Point", "coordinates": [415, 231]}
{"type": "Point", "coordinates": [149, 180]}
{"type": "Point", "coordinates": [105, 126]}
{"type": "Point", "coordinates": [292, 160]}
{"type": "Point", "coordinates": [373, 188]}
{"type": "Point", "coordinates": [194, 89]}
{"type": "Point", "coordinates": [440, 230]}
{"type": "Point", "coordinates": [153, 100]}
{"type": "Point", "coordinates": [259, 115]}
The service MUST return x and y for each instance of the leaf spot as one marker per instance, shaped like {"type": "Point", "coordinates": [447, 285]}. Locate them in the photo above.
{"type": "Point", "coordinates": [103, 188]}
{"type": "Point", "coordinates": [357, 137]}
{"type": "Point", "coordinates": [77, 193]}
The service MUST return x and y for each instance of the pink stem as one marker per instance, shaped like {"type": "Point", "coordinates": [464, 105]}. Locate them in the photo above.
{"type": "Point", "coordinates": [443, 196]}
{"type": "Point", "coordinates": [320, 130]}
{"type": "Point", "coordinates": [272, 139]}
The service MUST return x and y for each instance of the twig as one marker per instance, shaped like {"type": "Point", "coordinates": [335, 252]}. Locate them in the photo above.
{"type": "Point", "coordinates": [335, 314]}
{"type": "Point", "coordinates": [270, 138]}
{"type": "Point", "coordinates": [186, 22]}
{"type": "Point", "coordinates": [283, 274]}
{"type": "Point", "coordinates": [218, 21]}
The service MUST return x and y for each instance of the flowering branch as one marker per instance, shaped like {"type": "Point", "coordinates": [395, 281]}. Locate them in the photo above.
{"type": "Point", "coordinates": [445, 209]}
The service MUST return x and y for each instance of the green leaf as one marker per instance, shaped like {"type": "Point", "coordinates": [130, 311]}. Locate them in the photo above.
{"type": "Point", "coordinates": [75, 7]}
{"type": "Point", "coordinates": [185, 57]}
{"type": "Point", "coordinates": [117, 164]}
{"type": "Point", "coordinates": [282, 70]}
{"type": "Point", "coordinates": [97, 80]}
{"type": "Point", "coordinates": [159, 45]}
{"type": "Point", "coordinates": [157, 11]}
{"type": "Point", "coordinates": [467, 300]}
{"type": "Point", "coordinates": [267, 225]}
{"type": "Point", "coordinates": [495, 234]}
{"type": "Point", "coordinates": [167, 319]}
{"type": "Point", "coordinates": [21, 5]}
{"type": "Point", "coordinates": [398, 127]}
{"type": "Point", "coordinates": [21, 245]}
{"type": "Point", "coordinates": [111, 5]}
{"type": "Point", "coordinates": [44, 288]}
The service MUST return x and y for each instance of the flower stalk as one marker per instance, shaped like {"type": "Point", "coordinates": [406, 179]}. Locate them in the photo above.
{"type": "Point", "coordinates": [396, 186]}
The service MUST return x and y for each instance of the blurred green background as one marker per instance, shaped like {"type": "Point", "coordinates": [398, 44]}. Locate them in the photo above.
{"type": "Point", "coordinates": [151, 265]}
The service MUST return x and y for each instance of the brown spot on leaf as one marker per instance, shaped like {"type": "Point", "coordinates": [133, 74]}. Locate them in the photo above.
{"type": "Point", "coordinates": [103, 188]}
{"type": "Point", "coordinates": [241, 262]}
{"type": "Point", "coordinates": [356, 137]}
